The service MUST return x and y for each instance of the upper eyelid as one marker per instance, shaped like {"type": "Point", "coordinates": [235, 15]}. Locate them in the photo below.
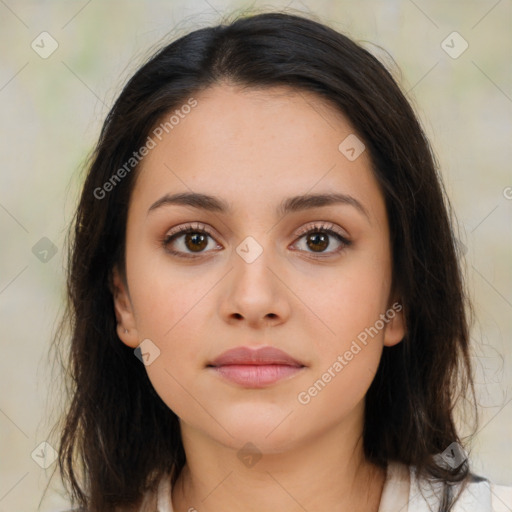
{"type": "Point", "coordinates": [322, 225]}
{"type": "Point", "coordinates": [189, 226]}
{"type": "Point", "coordinates": [316, 225]}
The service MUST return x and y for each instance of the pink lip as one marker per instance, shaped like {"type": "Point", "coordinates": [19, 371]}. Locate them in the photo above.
{"type": "Point", "coordinates": [255, 368]}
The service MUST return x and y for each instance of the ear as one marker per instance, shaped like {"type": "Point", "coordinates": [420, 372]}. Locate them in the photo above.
{"type": "Point", "coordinates": [126, 326]}
{"type": "Point", "coordinates": [395, 327]}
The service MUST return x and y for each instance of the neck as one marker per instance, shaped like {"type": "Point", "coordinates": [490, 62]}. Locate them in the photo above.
{"type": "Point", "coordinates": [326, 472]}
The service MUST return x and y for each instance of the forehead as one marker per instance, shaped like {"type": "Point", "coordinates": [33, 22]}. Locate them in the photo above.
{"type": "Point", "coordinates": [258, 145]}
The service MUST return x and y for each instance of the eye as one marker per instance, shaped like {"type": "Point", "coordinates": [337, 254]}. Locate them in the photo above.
{"type": "Point", "coordinates": [317, 239]}
{"type": "Point", "coordinates": [195, 239]}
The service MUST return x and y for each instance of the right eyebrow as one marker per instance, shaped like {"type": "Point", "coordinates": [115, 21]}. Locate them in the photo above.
{"type": "Point", "coordinates": [288, 205]}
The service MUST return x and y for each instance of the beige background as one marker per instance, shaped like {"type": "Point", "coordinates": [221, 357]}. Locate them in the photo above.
{"type": "Point", "coordinates": [52, 110]}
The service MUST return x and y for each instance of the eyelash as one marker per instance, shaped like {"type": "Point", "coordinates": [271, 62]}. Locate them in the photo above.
{"type": "Point", "coordinates": [202, 229]}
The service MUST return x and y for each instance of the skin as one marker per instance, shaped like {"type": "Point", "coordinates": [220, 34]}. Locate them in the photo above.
{"type": "Point", "coordinates": [253, 148]}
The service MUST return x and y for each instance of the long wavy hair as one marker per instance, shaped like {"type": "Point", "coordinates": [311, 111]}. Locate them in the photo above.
{"type": "Point", "coordinates": [117, 437]}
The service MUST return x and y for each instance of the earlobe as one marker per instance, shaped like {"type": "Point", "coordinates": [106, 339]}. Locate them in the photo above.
{"type": "Point", "coordinates": [395, 328]}
{"type": "Point", "coordinates": [126, 326]}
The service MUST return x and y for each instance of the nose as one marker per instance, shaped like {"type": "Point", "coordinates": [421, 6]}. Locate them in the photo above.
{"type": "Point", "coordinates": [255, 291]}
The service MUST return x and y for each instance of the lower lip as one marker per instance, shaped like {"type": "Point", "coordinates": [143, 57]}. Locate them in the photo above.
{"type": "Point", "coordinates": [256, 376]}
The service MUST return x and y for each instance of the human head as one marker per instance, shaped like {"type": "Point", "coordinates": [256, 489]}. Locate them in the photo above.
{"type": "Point", "coordinates": [412, 394]}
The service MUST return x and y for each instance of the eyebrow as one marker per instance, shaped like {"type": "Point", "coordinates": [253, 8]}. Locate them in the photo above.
{"type": "Point", "coordinates": [288, 205]}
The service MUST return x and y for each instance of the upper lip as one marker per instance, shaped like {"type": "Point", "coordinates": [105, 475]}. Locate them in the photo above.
{"type": "Point", "coordinates": [255, 356]}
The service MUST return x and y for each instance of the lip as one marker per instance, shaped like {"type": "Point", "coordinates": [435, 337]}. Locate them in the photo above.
{"type": "Point", "coordinates": [255, 368]}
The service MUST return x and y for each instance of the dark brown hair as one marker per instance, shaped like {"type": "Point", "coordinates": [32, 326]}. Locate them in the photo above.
{"type": "Point", "coordinates": [118, 437]}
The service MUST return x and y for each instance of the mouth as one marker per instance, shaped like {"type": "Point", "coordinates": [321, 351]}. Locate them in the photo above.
{"type": "Point", "coordinates": [255, 368]}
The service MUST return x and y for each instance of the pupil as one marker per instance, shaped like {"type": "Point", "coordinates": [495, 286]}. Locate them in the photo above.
{"type": "Point", "coordinates": [315, 238]}
{"type": "Point", "coordinates": [194, 237]}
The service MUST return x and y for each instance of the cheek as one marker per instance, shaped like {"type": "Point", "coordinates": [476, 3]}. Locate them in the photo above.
{"type": "Point", "coordinates": [165, 295]}
{"type": "Point", "coordinates": [171, 306]}
{"type": "Point", "coordinates": [338, 388]}
{"type": "Point", "coordinates": [349, 351]}
{"type": "Point", "coordinates": [182, 341]}
{"type": "Point", "coordinates": [348, 305]}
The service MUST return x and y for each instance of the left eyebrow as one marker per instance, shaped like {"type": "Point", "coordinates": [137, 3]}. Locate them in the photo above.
{"type": "Point", "coordinates": [288, 205]}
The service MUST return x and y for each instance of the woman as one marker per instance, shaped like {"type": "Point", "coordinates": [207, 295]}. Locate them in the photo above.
{"type": "Point", "coordinates": [267, 306]}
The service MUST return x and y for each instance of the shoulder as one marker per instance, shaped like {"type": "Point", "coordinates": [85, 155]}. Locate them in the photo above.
{"type": "Point", "coordinates": [486, 495]}
{"type": "Point", "coordinates": [501, 496]}
{"type": "Point", "coordinates": [479, 494]}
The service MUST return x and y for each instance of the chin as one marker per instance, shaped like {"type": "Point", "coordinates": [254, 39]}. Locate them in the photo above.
{"type": "Point", "coordinates": [270, 429]}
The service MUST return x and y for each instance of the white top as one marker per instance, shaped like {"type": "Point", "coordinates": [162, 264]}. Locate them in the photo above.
{"type": "Point", "coordinates": [401, 493]}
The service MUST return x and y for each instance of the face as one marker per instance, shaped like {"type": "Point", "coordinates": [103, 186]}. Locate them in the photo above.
{"type": "Point", "coordinates": [250, 273]}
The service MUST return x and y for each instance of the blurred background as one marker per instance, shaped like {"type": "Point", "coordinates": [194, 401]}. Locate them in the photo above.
{"type": "Point", "coordinates": [62, 65]}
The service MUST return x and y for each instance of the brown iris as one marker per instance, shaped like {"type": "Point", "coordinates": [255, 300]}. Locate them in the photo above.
{"type": "Point", "coordinates": [199, 241]}
{"type": "Point", "coordinates": [318, 238]}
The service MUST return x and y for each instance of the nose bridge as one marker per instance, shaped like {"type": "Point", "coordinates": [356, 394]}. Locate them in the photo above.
{"type": "Point", "coordinates": [252, 258]}
{"type": "Point", "coordinates": [255, 292]}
